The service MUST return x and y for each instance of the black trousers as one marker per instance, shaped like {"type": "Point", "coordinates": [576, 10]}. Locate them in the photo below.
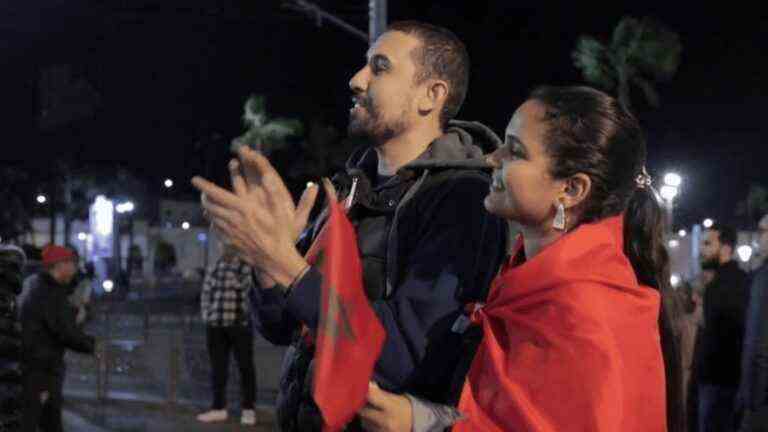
{"type": "Point", "coordinates": [221, 342]}
{"type": "Point", "coordinates": [42, 399]}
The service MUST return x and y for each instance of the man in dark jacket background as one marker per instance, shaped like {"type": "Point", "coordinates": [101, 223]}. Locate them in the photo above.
{"type": "Point", "coordinates": [725, 300]}
{"type": "Point", "coordinates": [753, 391]}
{"type": "Point", "coordinates": [415, 198]}
{"type": "Point", "coordinates": [48, 329]}
{"type": "Point", "coordinates": [12, 261]}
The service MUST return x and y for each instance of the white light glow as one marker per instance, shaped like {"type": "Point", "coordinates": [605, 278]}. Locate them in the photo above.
{"type": "Point", "coordinates": [82, 236]}
{"type": "Point", "coordinates": [668, 192]}
{"type": "Point", "coordinates": [674, 280]}
{"type": "Point", "coordinates": [125, 207]}
{"type": "Point", "coordinates": [168, 183]}
{"type": "Point", "coordinates": [674, 243]}
{"type": "Point", "coordinates": [744, 252]}
{"type": "Point", "coordinates": [108, 285]}
{"type": "Point", "coordinates": [682, 233]}
{"type": "Point", "coordinates": [708, 223]}
{"type": "Point", "coordinates": [673, 179]}
{"type": "Point", "coordinates": [104, 215]}
{"type": "Point", "coordinates": [185, 225]}
{"type": "Point", "coordinates": [41, 199]}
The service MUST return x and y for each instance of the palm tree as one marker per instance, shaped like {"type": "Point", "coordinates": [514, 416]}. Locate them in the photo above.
{"type": "Point", "coordinates": [641, 53]}
{"type": "Point", "coordinates": [754, 206]}
{"type": "Point", "coordinates": [264, 133]}
{"type": "Point", "coordinates": [16, 202]}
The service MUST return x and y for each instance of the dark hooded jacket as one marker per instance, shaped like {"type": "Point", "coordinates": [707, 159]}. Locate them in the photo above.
{"type": "Point", "coordinates": [428, 246]}
{"type": "Point", "coordinates": [49, 327]}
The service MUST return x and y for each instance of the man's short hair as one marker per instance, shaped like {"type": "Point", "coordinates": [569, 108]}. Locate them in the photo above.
{"type": "Point", "coordinates": [726, 235]}
{"type": "Point", "coordinates": [441, 56]}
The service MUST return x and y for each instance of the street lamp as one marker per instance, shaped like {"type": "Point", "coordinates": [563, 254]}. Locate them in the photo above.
{"type": "Point", "coordinates": [168, 183]}
{"type": "Point", "coordinates": [125, 207]}
{"type": "Point", "coordinates": [669, 191]}
{"type": "Point", "coordinates": [673, 179]}
{"type": "Point", "coordinates": [708, 223]}
{"type": "Point", "coordinates": [108, 285]}
{"type": "Point", "coordinates": [82, 237]}
{"type": "Point", "coordinates": [185, 225]}
{"type": "Point", "coordinates": [203, 239]}
{"type": "Point", "coordinates": [122, 208]}
{"type": "Point", "coordinates": [103, 215]}
{"type": "Point", "coordinates": [682, 233]}
{"type": "Point", "coordinates": [42, 199]}
{"type": "Point", "coordinates": [744, 252]}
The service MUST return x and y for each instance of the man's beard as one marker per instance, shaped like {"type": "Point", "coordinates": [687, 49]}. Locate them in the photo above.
{"type": "Point", "coordinates": [371, 126]}
{"type": "Point", "coordinates": [710, 263]}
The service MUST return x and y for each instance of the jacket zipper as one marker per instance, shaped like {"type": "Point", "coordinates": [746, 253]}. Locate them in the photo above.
{"type": "Point", "coordinates": [351, 197]}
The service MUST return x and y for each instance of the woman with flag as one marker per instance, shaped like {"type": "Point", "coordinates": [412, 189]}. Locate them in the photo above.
{"type": "Point", "coordinates": [576, 333]}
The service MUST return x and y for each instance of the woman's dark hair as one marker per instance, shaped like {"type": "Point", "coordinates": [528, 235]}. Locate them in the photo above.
{"type": "Point", "coordinates": [592, 133]}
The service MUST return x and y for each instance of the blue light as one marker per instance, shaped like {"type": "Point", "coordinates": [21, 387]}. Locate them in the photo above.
{"type": "Point", "coordinates": [202, 237]}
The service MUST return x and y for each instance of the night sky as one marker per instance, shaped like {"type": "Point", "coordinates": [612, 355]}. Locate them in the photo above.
{"type": "Point", "coordinates": [169, 72]}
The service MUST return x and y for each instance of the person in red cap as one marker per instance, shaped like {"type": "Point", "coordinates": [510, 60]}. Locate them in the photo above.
{"type": "Point", "coordinates": [48, 329]}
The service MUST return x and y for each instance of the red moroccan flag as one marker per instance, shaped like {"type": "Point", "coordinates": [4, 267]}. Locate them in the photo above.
{"type": "Point", "coordinates": [350, 336]}
{"type": "Point", "coordinates": [570, 343]}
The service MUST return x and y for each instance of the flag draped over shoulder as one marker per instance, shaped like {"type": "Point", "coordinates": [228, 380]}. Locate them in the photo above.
{"type": "Point", "coordinates": [570, 343]}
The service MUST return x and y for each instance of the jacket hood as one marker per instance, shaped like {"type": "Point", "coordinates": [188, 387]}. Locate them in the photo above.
{"type": "Point", "coordinates": [463, 145]}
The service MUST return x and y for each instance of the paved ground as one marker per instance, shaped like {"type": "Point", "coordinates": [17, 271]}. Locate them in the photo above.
{"type": "Point", "coordinates": [90, 416]}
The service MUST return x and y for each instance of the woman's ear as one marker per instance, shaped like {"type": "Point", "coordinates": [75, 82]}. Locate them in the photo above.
{"type": "Point", "coordinates": [576, 190]}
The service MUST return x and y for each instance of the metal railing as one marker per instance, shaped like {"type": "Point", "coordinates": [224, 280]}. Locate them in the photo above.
{"type": "Point", "coordinates": [157, 353]}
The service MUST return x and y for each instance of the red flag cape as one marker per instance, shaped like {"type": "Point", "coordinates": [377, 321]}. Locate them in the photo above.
{"type": "Point", "coordinates": [571, 343]}
{"type": "Point", "coordinates": [350, 336]}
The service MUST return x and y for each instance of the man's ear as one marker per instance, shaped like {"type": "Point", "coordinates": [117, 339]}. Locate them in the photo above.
{"type": "Point", "coordinates": [433, 96]}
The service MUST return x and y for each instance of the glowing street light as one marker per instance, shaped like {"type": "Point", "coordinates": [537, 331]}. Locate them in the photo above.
{"type": "Point", "coordinates": [168, 183]}
{"type": "Point", "coordinates": [185, 226]}
{"type": "Point", "coordinates": [744, 252]}
{"type": "Point", "coordinates": [682, 233]}
{"type": "Point", "coordinates": [671, 187]}
{"type": "Point", "coordinates": [82, 236]}
{"type": "Point", "coordinates": [41, 199]}
{"type": "Point", "coordinates": [673, 179]}
{"type": "Point", "coordinates": [125, 207]}
{"type": "Point", "coordinates": [668, 192]}
{"type": "Point", "coordinates": [108, 286]}
{"type": "Point", "coordinates": [708, 223]}
{"type": "Point", "coordinates": [104, 217]}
